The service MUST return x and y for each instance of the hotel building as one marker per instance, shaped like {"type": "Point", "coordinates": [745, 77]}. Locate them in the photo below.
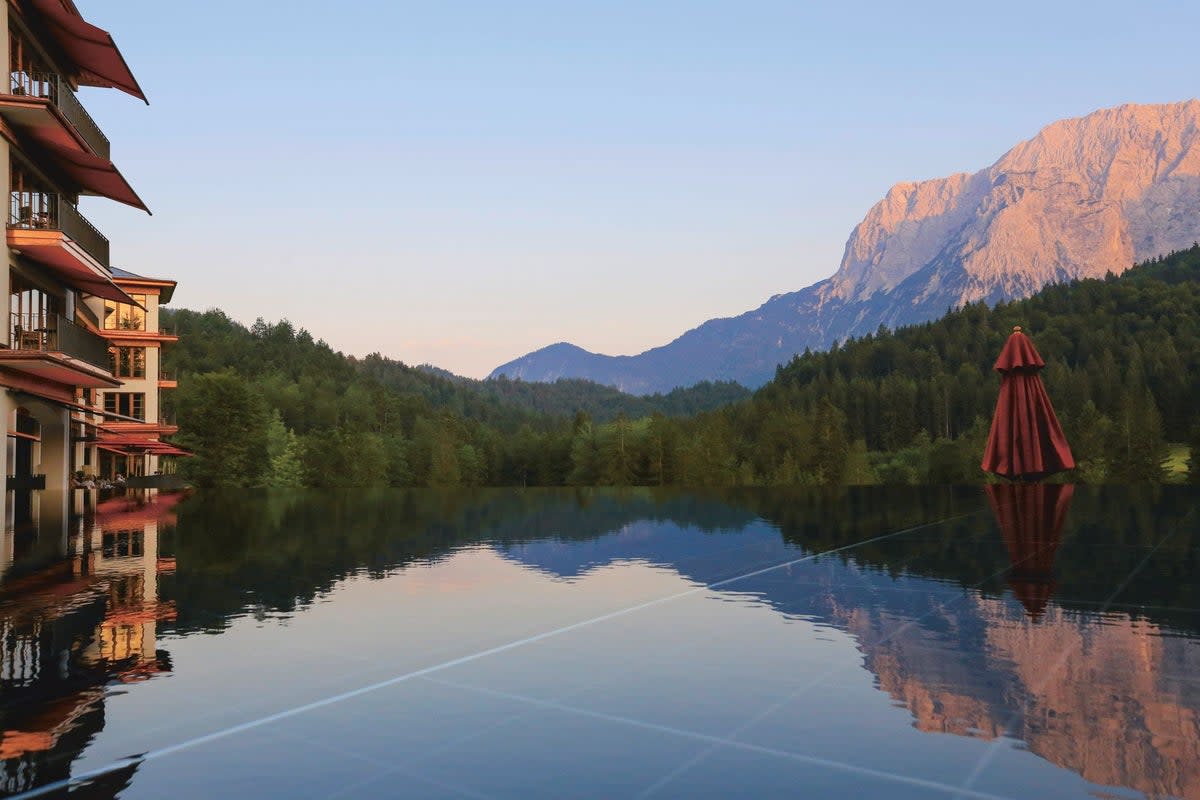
{"type": "Point", "coordinates": [129, 439]}
{"type": "Point", "coordinates": [55, 355]}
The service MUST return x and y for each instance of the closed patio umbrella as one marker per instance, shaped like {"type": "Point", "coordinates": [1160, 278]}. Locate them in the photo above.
{"type": "Point", "coordinates": [1026, 441]}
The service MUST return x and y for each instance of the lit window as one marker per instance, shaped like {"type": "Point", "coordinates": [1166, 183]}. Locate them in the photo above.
{"type": "Point", "coordinates": [125, 317]}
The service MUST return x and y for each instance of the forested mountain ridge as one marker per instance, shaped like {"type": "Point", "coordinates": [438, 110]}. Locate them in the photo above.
{"type": "Point", "coordinates": [248, 394]}
{"type": "Point", "coordinates": [210, 341]}
{"type": "Point", "coordinates": [1122, 369]}
{"type": "Point", "coordinates": [1082, 198]}
{"type": "Point", "coordinates": [270, 406]}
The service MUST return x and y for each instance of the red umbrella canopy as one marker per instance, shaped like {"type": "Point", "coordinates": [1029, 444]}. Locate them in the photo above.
{"type": "Point", "coordinates": [1026, 440]}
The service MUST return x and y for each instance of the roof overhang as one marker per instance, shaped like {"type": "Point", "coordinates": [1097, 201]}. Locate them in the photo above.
{"type": "Point", "coordinates": [166, 288]}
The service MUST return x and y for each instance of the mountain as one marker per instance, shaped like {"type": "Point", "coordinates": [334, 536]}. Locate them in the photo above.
{"type": "Point", "coordinates": [1082, 198]}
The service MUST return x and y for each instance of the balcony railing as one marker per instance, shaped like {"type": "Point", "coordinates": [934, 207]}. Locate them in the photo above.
{"type": "Point", "coordinates": [53, 88]}
{"type": "Point", "coordinates": [51, 212]}
{"type": "Point", "coordinates": [52, 333]}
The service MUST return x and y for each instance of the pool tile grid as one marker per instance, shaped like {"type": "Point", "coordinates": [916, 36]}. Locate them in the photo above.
{"type": "Point", "coordinates": [333, 699]}
{"type": "Point", "coordinates": [717, 743]}
{"type": "Point", "coordinates": [713, 744]}
{"type": "Point", "coordinates": [406, 767]}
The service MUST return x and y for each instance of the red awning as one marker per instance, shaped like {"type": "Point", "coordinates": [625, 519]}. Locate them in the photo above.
{"type": "Point", "coordinates": [70, 269]}
{"type": "Point", "coordinates": [94, 174]}
{"type": "Point", "coordinates": [149, 446]}
{"type": "Point", "coordinates": [92, 49]}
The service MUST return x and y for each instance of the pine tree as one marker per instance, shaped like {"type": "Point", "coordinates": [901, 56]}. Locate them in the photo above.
{"type": "Point", "coordinates": [1139, 448]}
{"type": "Point", "coordinates": [832, 444]}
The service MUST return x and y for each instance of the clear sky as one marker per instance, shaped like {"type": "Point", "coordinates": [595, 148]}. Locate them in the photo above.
{"type": "Point", "coordinates": [462, 182]}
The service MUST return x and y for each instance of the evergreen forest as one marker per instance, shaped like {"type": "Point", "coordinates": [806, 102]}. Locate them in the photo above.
{"type": "Point", "coordinates": [269, 405]}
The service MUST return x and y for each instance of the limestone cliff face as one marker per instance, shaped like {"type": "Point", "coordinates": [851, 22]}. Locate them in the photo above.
{"type": "Point", "coordinates": [1082, 198]}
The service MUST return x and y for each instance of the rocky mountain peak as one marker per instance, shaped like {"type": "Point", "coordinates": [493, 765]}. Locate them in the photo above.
{"type": "Point", "coordinates": [1082, 198]}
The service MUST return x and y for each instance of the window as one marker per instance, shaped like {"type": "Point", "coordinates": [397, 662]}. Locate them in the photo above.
{"type": "Point", "coordinates": [127, 404]}
{"type": "Point", "coordinates": [128, 362]}
{"type": "Point", "coordinates": [124, 317]}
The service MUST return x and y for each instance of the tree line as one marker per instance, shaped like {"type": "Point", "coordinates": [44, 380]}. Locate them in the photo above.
{"type": "Point", "coordinates": [270, 406]}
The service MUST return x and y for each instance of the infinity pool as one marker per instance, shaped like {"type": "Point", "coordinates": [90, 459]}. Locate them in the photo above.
{"type": "Point", "coordinates": [514, 644]}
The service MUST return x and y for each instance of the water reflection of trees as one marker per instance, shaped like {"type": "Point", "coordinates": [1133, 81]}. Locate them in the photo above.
{"type": "Point", "coordinates": [1109, 530]}
{"type": "Point", "coordinates": [279, 550]}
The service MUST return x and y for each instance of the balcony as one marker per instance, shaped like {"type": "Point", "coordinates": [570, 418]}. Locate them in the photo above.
{"type": "Point", "coordinates": [45, 212]}
{"type": "Point", "coordinates": [51, 347]}
{"type": "Point", "coordinates": [53, 333]}
{"type": "Point", "coordinates": [167, 379]}
{"type": "Point", "coordinates": [45, 106]}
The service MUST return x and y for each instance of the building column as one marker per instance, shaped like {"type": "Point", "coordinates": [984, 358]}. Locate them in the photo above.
{"type": "Point", "coordinates": [55, 464]}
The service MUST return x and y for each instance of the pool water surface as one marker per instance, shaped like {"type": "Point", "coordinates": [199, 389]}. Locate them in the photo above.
{"type": "Point", "coordinates": [872, 642]}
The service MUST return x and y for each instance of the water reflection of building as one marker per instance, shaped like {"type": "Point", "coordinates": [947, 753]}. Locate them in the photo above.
{"type": "Point", "coordinates": [77, 613]}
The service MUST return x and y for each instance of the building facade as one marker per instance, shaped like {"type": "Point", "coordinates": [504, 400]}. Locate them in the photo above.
{"type": "Point", "coordinates": [130, 439]}
{"type": "Point", "coordinates": [54, 356]}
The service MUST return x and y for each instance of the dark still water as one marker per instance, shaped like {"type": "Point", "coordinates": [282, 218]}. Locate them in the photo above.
{"type": "Point", "coordinates": [510, 644]}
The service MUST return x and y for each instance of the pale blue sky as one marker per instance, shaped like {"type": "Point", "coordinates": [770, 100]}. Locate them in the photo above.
{"type": "Point", "coordinates": [462, 182]}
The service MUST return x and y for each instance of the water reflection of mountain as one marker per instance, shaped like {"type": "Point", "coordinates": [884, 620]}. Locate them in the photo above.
{"type": "Point", "coordinates": [1111, 696]}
